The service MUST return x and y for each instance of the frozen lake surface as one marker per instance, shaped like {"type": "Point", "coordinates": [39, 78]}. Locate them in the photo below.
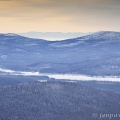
{"type": "Point", "coordinates": [62, 76]}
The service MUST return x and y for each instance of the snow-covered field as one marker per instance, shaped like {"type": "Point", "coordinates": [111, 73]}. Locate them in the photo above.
{"type": "Point", "coordinates": [62, 76]}
{"type": "Point", "coordinates": [84, 77]}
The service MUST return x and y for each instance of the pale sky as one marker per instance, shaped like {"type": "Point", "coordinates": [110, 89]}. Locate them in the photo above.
{"type": "Point", "coordinates": [59, 15]}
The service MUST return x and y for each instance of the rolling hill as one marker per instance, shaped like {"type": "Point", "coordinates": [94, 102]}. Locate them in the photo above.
{"type": "Point", "coordinates": [56, 101]}
{"type": "Point", "coordinates": [95, 54]}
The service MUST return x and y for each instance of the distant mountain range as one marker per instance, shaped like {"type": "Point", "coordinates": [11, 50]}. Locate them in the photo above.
{"type": "Point", "coordinates": [53, 35]}
{"type": "Point", "coordinates": [95, 54]}
{"type": "Point", "coordinates": [28, 97]}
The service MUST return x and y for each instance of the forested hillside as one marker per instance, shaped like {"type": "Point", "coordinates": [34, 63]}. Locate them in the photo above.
{"type": "Point", "coordinates": [55, 101]}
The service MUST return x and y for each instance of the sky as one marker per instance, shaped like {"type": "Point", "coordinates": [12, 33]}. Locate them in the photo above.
{"type": "Point", "coordinates": [18, 16]}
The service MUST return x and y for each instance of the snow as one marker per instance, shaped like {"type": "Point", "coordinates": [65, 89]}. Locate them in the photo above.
{"type": "Point", "coordinates": [42, 80]}
{"type": "Point", "coordinates": [85, 78]}
{"type": "Point", "coordinates": [3, 57]}
{"type": "Point", "coordinates": [109, 37]}
{"type": "Point", "coordinates": [10, 34]}
{"type": "Point", "coordinates": [6, 70]}
{"type": "Point", "coordinates": [64, 76]}
{"type": "Point", "coordinates": [19, 50]}
{"type": "Point", "coordinates": [12, 72]}
{"type": "Point", "coordinates": [32, 44]}
{"type": "Point", "coordinates": [30, 73]}
{"type": "Point", "coordinates": [106, 35]}
{"type": "Point", "coordinates": [67, 44]}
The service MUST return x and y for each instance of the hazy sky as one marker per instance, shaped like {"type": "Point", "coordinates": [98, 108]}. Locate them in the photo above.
{"type": "Point", "coordinates": [59, 15]}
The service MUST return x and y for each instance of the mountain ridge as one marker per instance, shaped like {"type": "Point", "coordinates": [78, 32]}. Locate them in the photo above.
{"type": "Point", "coordinates": [96, 34]}
{"type": "Point", "coordinates": [53, 35]}
{"type": "Point", "coordinates": [95, 48]}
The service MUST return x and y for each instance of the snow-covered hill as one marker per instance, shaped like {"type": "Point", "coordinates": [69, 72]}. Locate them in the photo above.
{"type": "Point", "coordinates": [95, 54]}
{"type": "Point", "coordinates": [57, 101]}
